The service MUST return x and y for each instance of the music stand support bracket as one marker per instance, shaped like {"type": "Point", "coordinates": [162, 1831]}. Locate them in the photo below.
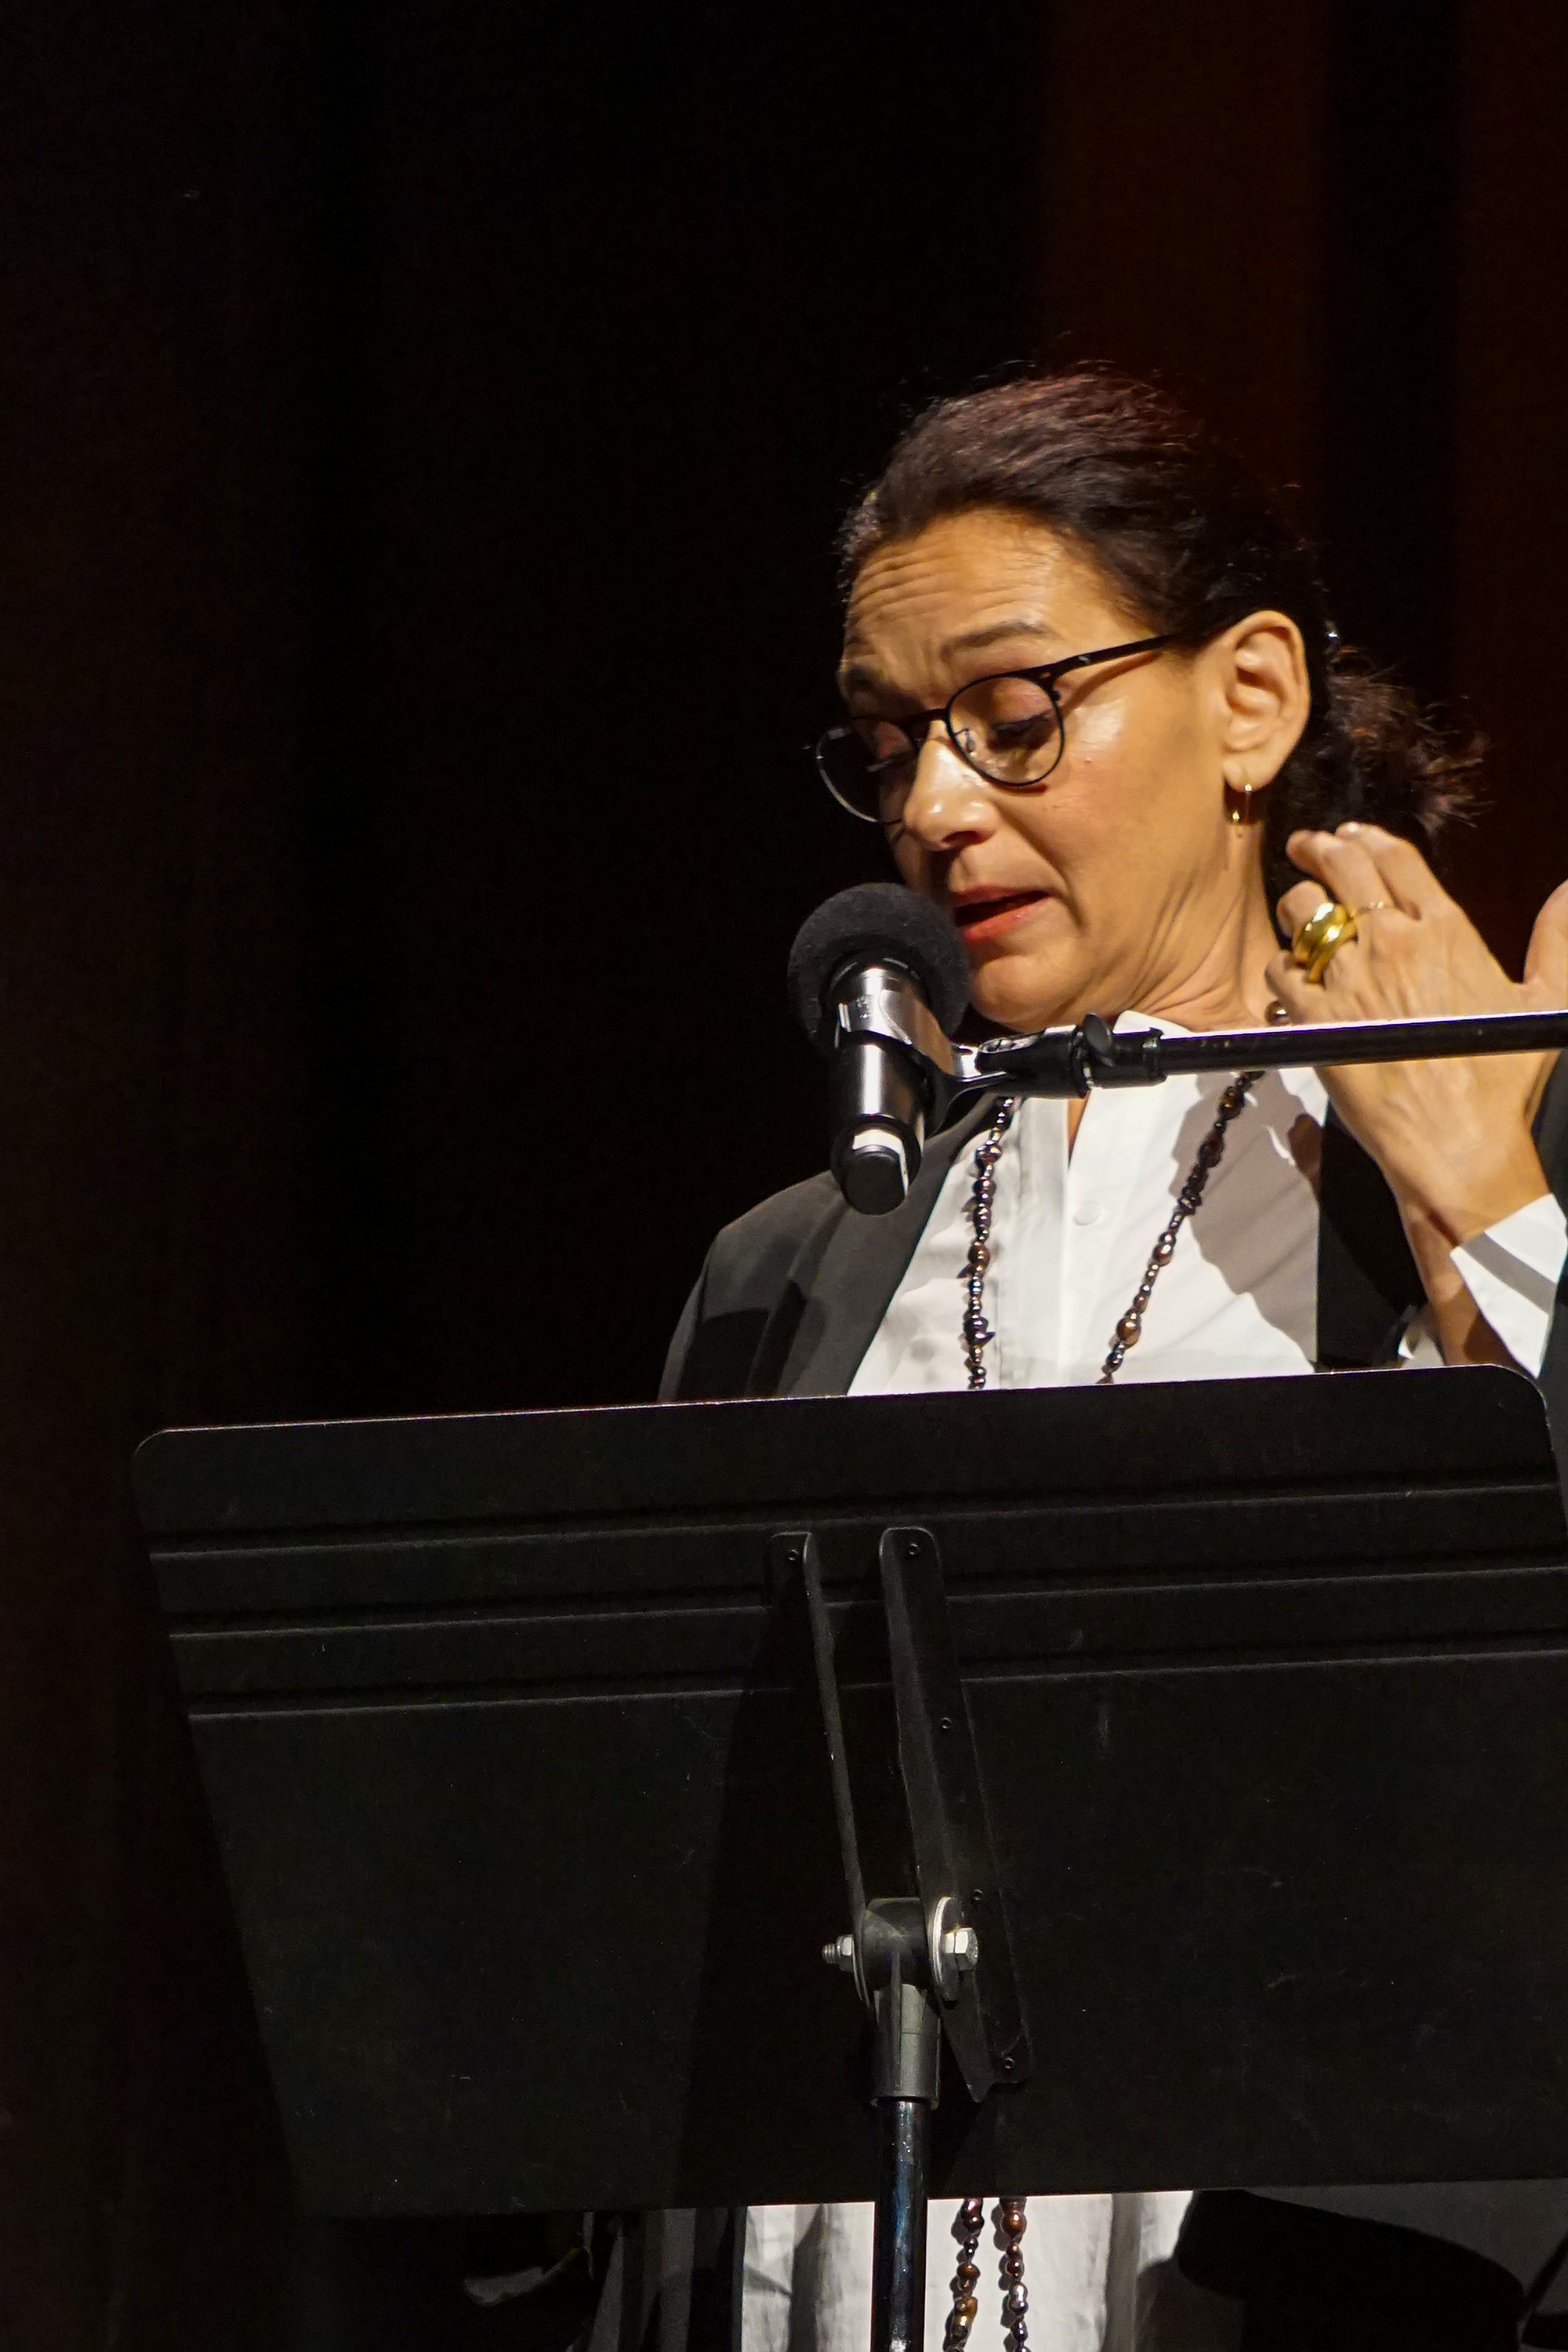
{"type": "Point", "coordinates": [930, 1964]}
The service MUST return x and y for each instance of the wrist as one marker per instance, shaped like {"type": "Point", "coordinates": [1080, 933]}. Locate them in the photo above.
{"type": "Point", "coordinates": [1440, 1216]}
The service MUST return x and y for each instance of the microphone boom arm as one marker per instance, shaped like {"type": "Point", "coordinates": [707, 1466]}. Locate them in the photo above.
{"type": "Point", "coordinates": [1059, 1063]}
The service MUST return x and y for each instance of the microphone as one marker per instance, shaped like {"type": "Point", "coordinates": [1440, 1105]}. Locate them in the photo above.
{"type": "Point", "coordinates": [881, 950]}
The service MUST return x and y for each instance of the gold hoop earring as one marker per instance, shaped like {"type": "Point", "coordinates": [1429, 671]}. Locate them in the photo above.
{"type": "Point", "coordinates": [1240, 808]}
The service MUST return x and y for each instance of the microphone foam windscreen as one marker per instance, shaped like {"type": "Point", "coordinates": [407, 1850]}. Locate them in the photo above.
{"type": "Point", "coordinates": [877, 920]}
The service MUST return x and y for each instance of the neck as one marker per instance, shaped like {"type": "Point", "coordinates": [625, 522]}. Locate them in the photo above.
{"type": "Point", "coordinates": [1221, 987]}
{"type": "Point", "coordinates": [1221, 984]}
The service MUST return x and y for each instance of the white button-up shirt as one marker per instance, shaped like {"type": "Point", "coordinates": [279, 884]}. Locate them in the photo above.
{"type": "Point", "coordinates": [1071, 1237]}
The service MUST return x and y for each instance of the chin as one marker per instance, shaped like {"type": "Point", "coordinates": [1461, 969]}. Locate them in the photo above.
{"type": "Point", "coordinates": [1023, 993]}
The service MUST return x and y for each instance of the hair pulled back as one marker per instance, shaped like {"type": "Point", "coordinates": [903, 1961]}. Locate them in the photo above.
{"type": "Point", "coordinates": [1192, 541]}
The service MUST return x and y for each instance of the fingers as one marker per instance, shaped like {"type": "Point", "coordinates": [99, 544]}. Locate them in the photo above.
{"type": "Point", "coordinates": [1329, 997]}
{"type": "Point", "coordinates": [1415, 950]}
{"type": "Point", "coordinates": [1301, 1001]}
{"type": "Point", "coordinates": [1345, 868]}
{"type": "Point", "coordinates": [1407, 878]}
{"type": "Point", "coordinates": [1362, 868]}
{"type": "Point", "coordinates": [1546, 959]}
{"type": "Point", "coordinates": [1305, 899]}
{"type": "Point", "coordinates": [1302, 900]}
{"type": "Point", "coordinates": [1362, 863]}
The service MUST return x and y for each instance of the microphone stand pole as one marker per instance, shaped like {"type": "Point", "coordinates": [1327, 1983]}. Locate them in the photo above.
{"type": "Point", "coordinates": [930, 1964]}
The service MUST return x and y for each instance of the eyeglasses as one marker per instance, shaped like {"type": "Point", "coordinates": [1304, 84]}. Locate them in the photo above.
{"type": "Point", "coordinates": [1009, 727]}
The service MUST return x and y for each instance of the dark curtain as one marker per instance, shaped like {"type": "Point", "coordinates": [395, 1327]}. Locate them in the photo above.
{"type": "Point", "coordinates": [427, 427]}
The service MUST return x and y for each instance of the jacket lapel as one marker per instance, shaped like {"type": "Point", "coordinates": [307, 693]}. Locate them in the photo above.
{"type": "Point", "coordinates": [1368, 1286]}
{"type": "Point", "coordinates": [846, 1277]}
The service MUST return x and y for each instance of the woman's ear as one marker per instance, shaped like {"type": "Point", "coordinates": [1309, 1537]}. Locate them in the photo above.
{"type": "Point", "coordinates": [1265, 696]}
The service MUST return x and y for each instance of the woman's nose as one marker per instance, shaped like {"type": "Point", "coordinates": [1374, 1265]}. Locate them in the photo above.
{"type": "Point", "coordinates": [948, 803]}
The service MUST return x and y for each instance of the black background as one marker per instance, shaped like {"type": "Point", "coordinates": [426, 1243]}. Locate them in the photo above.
{"type": "Point", "coordinates": [624, 314]}
{"type": "Point", "coordinates": [426, 428]}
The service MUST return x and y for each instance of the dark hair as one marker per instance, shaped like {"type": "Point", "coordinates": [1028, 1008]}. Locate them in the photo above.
{"type": "Point", "coordinates": [1192, 541]}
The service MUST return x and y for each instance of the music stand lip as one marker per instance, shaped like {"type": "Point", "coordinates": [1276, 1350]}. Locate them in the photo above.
{"type": "Point", "coordinates": [785, 1454]}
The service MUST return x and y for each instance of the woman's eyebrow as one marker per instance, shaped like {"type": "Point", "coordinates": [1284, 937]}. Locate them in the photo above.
{"type": "Point", "coordinates": [995, 633]}
{"type": "Point", "coordinates": [861, 675]}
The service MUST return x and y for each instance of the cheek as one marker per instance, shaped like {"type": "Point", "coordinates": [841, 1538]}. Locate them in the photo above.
{"type": "Point", "coordinates": [915, 866]}
{"type": "Point", "coordinates": [1102, 730]}
{"type": "Point", "coordinates": [1131, 781]}
{"type": "Point", "coordinates": [1097, 807]}
{"type": "Point", "coordinates": [1134, 755]}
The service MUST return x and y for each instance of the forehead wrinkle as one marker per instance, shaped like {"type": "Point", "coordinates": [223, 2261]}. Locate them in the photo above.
{"type": "Point", "coordinates": [920, 604]}
{"type": "Point", "coordinates": [911, 612]}
{"type": "Point", "coordinates": [862, 674]}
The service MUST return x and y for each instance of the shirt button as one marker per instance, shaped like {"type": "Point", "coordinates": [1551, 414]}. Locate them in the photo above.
{"type": "Point", "coordinates": [1088, 1212]}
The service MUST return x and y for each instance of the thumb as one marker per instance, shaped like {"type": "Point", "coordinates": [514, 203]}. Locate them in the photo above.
{"type": "Point", "coordinates": [1546, 958]}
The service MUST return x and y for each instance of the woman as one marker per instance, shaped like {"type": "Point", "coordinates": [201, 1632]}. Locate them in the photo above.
{"type": "Point", "coordinates": [1096, 704]}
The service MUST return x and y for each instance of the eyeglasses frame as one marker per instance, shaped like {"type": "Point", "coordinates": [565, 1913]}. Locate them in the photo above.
{"type": "Point", "coordinates": [1044, 675]}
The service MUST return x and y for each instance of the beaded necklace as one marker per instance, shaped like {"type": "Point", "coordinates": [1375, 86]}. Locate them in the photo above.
{"type": "Point", "coordinates": [1009, 2218]}
{"type": "Point", "coordinates": [977, 1334]}
{"type": "Point", "coordinates": [1010, 2225]}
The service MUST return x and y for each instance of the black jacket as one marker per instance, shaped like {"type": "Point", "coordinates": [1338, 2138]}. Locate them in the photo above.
{"type": "Point", "coordinates": [791, 1294]}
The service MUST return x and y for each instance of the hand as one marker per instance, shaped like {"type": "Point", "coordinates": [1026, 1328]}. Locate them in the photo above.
{"type": "Point", "coordinates": [1452, 1138]}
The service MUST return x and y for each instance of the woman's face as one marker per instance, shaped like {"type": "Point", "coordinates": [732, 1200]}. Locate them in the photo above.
{"type": "Point", "coordinates": [1116, 882]}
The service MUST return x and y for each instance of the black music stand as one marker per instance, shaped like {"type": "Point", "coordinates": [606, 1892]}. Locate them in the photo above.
{"type": "Point", "coordinates": [509, 1731]}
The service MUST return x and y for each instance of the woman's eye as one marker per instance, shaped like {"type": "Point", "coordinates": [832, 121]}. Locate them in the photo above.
{"type": "Point", "coordinates": [887, 745]}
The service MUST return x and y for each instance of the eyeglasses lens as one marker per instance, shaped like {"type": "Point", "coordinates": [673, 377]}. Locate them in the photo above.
{"type": "Point", "coordinates": [869, 766]}
{"type": "Point", "coordinates": [1008, 728]}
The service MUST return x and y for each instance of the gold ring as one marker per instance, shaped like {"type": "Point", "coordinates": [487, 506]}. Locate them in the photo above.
{"type": "Point", "coordinates": [1320, 936]}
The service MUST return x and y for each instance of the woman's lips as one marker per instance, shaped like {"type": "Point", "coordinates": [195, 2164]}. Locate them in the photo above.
{"type": "Point", "coordinates": [987, 918]}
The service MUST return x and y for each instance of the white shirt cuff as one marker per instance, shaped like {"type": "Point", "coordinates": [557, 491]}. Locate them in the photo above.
{"type": "Point", "coordinates": [1512, 1272]}
{"type": "Point", "coordinates": [1418, 1343]}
